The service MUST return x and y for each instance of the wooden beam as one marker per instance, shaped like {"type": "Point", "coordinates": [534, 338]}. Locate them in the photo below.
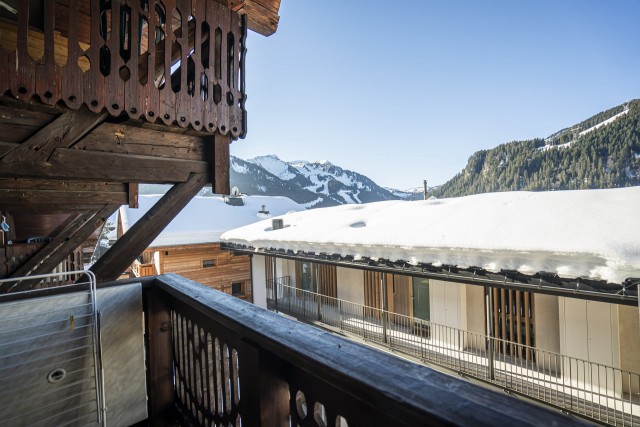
{"type": "Point", "coordinates": [134, 190]}
{"type": "Point", "coordinates": [160, 358]}
{"type": "Point", "coordinates": [76, 230]}
{"type": "Point", "coordinates": [221, 162]}
{"type": "Point", "coordinates": [142, 233]}
{"type": "Point", "coordinates": [262, 16]}
{"type": "Point", "coordinates": [38, 196]}
{"type": "Point", "coordinates": [5, 147]}
{"type": "Point", "coordinates": [72, 164]}
{"type": "Point", "coordinates": [63, 132]}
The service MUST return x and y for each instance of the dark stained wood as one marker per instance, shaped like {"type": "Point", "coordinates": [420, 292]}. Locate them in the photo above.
{"type": "Point", "coordinates": [77, 230]}
{"type": "Point", "coordinates": [160, 358]}
{"type": "Point", "coordinates": [62, 185]}
{"type": "Point", "coordinates": [262, 14]}
{"type": "Point", "coordinates": [63, 132]}
{"type": "Point", "coordinates": [69, 163]}
{"type": "Point", "coordinates": [12, 256]}
{"type": "Point", "coordinates": [129, 73]}
{"type": "Point", "coordinates": [37, 196]}
{"type": "Point", "coordinates": [367, 387]}
{"type": "Point", "coordinates": [59, 235]}
{"type": "Point", "coordinates": [5, 147]}
{"type": "Point", "coordinates": [120, 256]}
{"type": "Point", "coordinates": [125, 139]}
{"type": "Point", "coordinates": [133, 195]}
{"type": "Point", "coordinates": [221, 164]}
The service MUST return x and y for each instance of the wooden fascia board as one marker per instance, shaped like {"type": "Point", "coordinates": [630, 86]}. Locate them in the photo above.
{"type": "Point", "coordinates": [72, 164]}
{"type": "Point", "coordinates": [262, 16]}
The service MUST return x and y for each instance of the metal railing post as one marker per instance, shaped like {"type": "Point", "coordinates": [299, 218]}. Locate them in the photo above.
{"type": "Point", "coordinates": [319, 299]}
{"type": "Point", "coordinates": [385, 325]}
{"type": "Point", "coordinates": [492, 374]}
{"type": "Point", "coordinates": [275, 292]}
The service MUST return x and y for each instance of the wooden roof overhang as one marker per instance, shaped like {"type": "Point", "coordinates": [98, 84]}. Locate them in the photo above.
{"type": "Point", "coordinates": [544, 283]}
{"type": "Point", "coordinates": [97, 96]}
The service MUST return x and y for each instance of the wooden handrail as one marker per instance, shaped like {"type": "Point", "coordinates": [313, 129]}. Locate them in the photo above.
{"type": "Point", "coordinates": [289, 369]}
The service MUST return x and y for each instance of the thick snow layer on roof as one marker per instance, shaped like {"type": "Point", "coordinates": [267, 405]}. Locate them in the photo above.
{"type": "Point", "coordinates": [205, 218]}
{"type": "Point", "coordinates": [585, 233]}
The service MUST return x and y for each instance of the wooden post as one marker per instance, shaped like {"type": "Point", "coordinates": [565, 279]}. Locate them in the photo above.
{"type": "Point", "coordinates": [160, 354]}
{"type": "Point", "coordinates": [221, 161]}
{"type": "Point", "coordinates": [265, 395]}
{"type": "Point", "coordinates": [133, 194]}
{"type": "Point", "coordinates": [527, 324]}
{"type": "Point", "coordinates": [385, 312]}
{"type": "Point", "coordinates": [490, 328]}
{"type": "Point", "coordinates": [142, 233]}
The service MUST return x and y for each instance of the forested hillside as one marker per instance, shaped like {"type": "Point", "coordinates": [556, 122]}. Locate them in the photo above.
{"type": "Point", "coordinates": [600, 152]}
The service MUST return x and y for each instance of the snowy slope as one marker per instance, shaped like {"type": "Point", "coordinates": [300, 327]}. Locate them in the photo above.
{"type": "Point", "coordinates": [312, 184]}
{"type": "Point", "coordinates": [274, 165]}
{"type": "Point", "coordinates": [589, 233]}
{"type": "Point", "coordinates": [605, 122]}
{"type": "Point", "coordinates": [205, 218]}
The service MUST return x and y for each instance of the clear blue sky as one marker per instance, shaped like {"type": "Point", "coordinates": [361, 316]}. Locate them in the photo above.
{"type": "Point", "coordinates": [407, 90]}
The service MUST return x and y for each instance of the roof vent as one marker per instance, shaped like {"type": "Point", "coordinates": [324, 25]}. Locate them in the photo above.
{"type": "Point", "coordinates": [277, 224]}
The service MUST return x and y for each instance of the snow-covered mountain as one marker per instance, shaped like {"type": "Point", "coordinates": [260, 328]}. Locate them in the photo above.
{"type": "Point", "coordinates": [310, 183]}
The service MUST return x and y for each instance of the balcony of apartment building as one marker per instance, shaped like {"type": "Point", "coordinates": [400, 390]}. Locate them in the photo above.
{"type": "Point", "coordinates": [411, 286]}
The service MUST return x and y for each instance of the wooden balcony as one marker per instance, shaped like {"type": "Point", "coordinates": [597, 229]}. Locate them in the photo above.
{"type": "Point", "coordinates": [143, 269]}
{"type": "Point", "coordinates": [174, 62]}
{"type": "Point", "coordinates": [213, 359]}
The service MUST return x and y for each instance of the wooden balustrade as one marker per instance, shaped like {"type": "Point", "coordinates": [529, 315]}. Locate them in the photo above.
{"type": "Point", "coordinates": [230, 362]}
{"type": "Point", "coordinates": [171, 61]}
{"type": "Point", "coordinates": [143, 270]}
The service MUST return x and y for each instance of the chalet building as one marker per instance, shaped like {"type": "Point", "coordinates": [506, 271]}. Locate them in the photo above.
{"type": "Point", "coordinates": [190, 244]}
{"type": "Point", "coordinates": [96, 97]}
{"type": "Point", "coordinates": [524, 311]}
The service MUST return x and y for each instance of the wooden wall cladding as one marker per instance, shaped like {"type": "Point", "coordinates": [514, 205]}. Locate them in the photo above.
{"type": "Point", "coordinates": [188, 260]}
{"type": "Point", "coordinates": [178, 62]}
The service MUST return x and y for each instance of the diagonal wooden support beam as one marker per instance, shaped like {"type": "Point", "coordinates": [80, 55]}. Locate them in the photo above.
{"type": "Point", "coordinates": [75, 231]}
{"type": "Point", "coordinates": [64, 131]}
{"type": "Point", "coordinates": [120, 256]}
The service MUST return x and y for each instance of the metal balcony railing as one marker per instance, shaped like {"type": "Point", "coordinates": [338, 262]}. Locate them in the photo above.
{"type": "Point", "coordinates": [596, 391]}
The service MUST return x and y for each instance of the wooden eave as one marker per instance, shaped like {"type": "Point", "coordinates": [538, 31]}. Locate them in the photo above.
{"type": "Point", "coordinates": [544, 283]}
{"type": "Point", "coordinates": [262, 15]}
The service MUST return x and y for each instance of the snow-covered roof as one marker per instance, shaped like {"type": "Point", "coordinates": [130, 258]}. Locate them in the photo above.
{"type": "Point", "coordinates": [205, 218]}
{"type": "Point", "coordinates": [585, 233]}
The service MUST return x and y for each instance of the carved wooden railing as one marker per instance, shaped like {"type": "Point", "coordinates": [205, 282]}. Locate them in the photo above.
{"type": "Point", "coordinates": [172, 61]}
{"type": "Point", "coordinates": [221, 361]}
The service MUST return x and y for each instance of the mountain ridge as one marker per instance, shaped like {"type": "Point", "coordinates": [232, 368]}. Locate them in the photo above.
{"type": "Point", "coordinates": [602, 151]}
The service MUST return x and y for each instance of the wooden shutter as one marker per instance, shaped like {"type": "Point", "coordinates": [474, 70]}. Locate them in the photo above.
{"type": "Point", "coordinates": [513, 322]}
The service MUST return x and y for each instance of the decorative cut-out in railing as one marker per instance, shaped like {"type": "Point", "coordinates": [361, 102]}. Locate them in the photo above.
{"type": "Point", "coordinates": [174, 61]}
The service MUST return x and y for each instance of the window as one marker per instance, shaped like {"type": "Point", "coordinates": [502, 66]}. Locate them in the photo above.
{"type": "Point", "coordinates": [236, 288]}
{"type": "Point", "coordinates": [209, 263]}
